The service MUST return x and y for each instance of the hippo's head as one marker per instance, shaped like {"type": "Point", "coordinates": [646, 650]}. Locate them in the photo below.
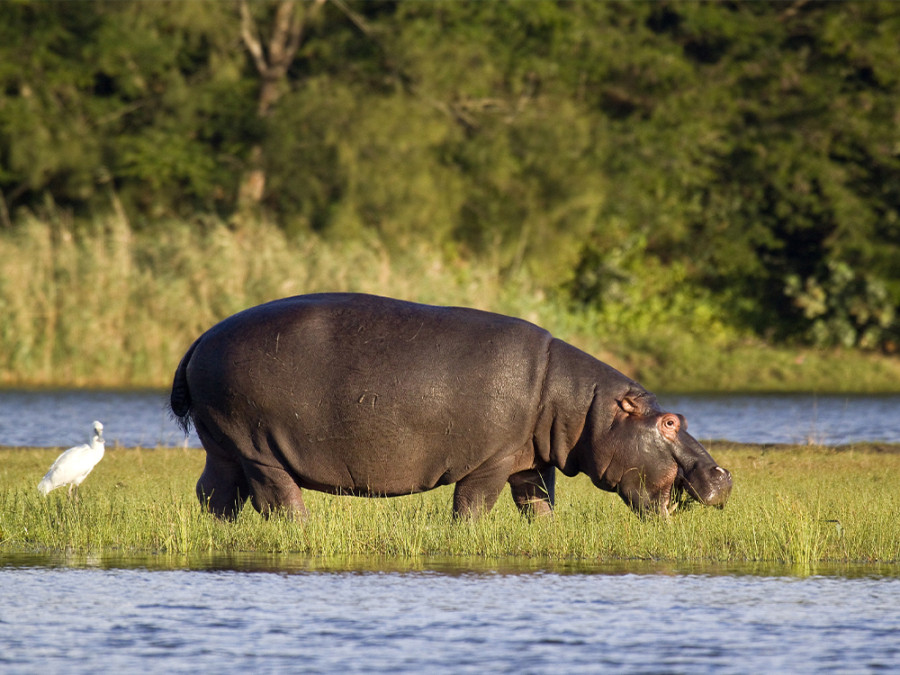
{"type": "Point", "coordinates": [648, 457]}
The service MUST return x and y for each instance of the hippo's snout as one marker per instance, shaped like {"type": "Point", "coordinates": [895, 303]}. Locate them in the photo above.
{"type": "Point", "coordinates": [719, 488]}
{"type": "Point", "coordinates": [711, 486]}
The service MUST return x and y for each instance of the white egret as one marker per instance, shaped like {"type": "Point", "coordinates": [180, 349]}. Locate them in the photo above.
{"type": "Point", "coordinates": [73, 466]}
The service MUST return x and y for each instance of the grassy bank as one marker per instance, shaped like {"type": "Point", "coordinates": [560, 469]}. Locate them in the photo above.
{"type": "Point", "coordinates": [800, 505]}
{"type": "Point", "coordinates": [109, 304]}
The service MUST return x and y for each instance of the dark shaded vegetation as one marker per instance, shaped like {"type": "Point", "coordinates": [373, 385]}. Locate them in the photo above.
{"type": "Point", "coordinates": [650, 161]}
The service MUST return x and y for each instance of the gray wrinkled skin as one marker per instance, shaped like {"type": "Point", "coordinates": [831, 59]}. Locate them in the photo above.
{"type": "Point", "coordinates": [362, 395]}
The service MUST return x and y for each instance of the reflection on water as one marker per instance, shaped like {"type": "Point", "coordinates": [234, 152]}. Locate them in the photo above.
{"type": "Point", "coordinates": [141, 418]}
{"type": "Point", "coordinates": [470, 618]}
{"type": "Point", "coordinates": [290, 563]}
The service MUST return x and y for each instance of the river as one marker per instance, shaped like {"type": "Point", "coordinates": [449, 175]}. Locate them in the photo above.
{"type": "Point", "coordinates": [290, 616]}
{"type": "Point", "coordinates": [60, 418]}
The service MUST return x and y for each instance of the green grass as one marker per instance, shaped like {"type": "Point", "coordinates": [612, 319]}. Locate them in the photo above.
{"type": "Point", "coordinates": [801, 506]}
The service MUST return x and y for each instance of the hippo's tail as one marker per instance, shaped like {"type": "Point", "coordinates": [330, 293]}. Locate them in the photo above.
{"type": "Point", "coordinates": [180, 398]}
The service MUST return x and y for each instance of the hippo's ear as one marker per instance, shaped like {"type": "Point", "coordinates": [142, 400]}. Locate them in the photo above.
{"type": "Point", "coordinates": [629, 405]}
{"type": "Point", "coordinates": [638, 403]}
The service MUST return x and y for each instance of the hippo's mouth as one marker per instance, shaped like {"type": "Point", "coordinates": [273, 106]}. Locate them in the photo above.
{"type": "Point", "coordinates": [678, 498]}
{"type": "Point", "coordinates": [669, 506]}
{"type": "Point", "coordinates": [710, 489]}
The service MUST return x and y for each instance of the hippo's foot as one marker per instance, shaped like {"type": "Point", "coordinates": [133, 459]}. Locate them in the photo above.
{"type": "Point", "coordinates": [274, 492]}
{"type": "Point", "coordinates": [221, 490]}
{"type": "Point", "coordinates": [533, 491]}
{"type": "Point", "coordinates": [294, 513]}
{"type": "Point", "coordinates": [536, 508]}
{"type": "Point", "coordinates": [281, 500]}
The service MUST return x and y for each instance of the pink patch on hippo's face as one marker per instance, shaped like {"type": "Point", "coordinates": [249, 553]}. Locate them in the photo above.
{"type": "Point", "coordinates": [663, 488]}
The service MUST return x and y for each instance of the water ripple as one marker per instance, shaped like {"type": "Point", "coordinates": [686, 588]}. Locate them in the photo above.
{"type": "Point", "coordinates": [80, 620]}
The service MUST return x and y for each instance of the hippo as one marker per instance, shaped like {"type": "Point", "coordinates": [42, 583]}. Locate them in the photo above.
{"type": "Point", "coordinates": [364, 395]}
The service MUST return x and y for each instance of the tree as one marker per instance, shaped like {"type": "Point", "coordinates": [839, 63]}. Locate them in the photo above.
{"type": "Point", "coordinates": [140, 98]}
{"type": "Point", "coordinates": [272, 60]}
{"type": "Point", "coordinates": [745, 151]}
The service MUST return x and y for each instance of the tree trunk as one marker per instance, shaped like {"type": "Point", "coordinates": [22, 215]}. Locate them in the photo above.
{"type": "Point", "coordinates": [272, 62]}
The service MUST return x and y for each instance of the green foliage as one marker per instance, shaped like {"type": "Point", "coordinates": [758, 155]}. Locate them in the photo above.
{"type": "Point", "coordinates": [127, 93]}
{"type": "Point", "coordinates": [360, 174]}
{"type": "Point", "coordinates": [844, 308]}
{"type": "Point", "coordinates": [708, 165]}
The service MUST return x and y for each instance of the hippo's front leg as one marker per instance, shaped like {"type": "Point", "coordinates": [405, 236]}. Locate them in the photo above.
{"type": "Point", "coordinates": [477, 492]}
{"type": "Point", "coordinates": [533, 490]}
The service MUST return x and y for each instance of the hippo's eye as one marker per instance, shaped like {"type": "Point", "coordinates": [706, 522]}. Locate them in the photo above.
{"type": "Point", "coordinates": [669, 425]}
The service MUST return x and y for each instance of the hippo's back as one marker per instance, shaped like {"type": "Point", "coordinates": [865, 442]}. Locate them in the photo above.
{"type": "Point", "coordinates": [369, 394]}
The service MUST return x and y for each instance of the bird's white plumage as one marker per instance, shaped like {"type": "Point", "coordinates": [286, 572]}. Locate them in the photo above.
{"type": "Point", "coordinates": [73, 466]}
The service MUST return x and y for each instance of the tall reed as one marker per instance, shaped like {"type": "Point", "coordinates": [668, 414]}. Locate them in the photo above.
{"type": "Point", "coordinates": [114, 304]}
{"type": "Point", "coordinates": [103, 304]}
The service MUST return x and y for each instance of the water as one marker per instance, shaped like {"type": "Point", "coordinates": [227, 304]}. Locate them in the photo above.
{"type": "Point", "coordinates": [62, 418]}
{"type": "Point", "coordinates": [277, 614]}
{"type": "Point", "coordinates": [79, 619]}
{"type": "Point", "coordinates": [790, 418]}
{"type": "Point", "coordinates": [141, 418]}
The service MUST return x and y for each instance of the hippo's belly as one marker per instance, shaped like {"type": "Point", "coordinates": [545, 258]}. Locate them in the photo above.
{"type": "Point", "coordinates": [370, 398]}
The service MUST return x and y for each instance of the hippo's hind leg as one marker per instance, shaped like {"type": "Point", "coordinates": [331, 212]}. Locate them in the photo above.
{"type": "Point", "coordinates": [273, 490]}
{"type": "Point", "coordinates": [533, 491]}
{"type": "Point", "coordinates": [222, 488]}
